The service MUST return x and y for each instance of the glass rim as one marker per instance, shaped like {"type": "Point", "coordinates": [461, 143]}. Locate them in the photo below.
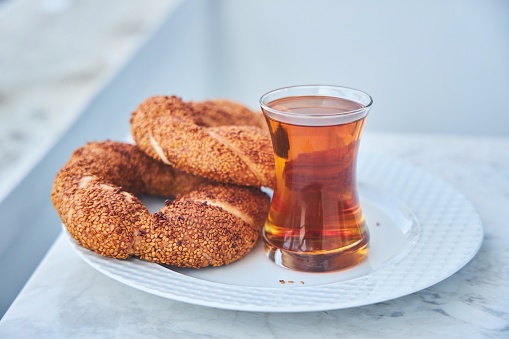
{"type": "Point", "coordinates": [356, 95]}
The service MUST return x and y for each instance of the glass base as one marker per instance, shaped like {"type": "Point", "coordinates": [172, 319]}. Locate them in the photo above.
{"type": "Point", "coordinates": [322, 261]}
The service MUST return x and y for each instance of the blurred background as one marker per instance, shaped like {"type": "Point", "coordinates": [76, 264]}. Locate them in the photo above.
{"type": "Point", "coordinates": [55, 55]}
{"type": "Point", "coordinates": [73, 70]}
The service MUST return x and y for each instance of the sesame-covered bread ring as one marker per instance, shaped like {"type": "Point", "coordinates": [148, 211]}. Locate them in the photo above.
{"type": "Point", "coordinates": [194, 138]}
{"type": "Point", "coordinates": [208, 224]}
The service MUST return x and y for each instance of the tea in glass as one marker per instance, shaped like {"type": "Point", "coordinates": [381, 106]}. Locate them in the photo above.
{"type": "Point", "coordinates": [315, 221]}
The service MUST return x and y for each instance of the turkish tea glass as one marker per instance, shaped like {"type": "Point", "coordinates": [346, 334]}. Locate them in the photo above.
{"type": "Point", "coordinates": [315, 222]}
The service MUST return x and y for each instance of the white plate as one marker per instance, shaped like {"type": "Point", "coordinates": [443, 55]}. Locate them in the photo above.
{"type": "Point", "coordinates": [422, 231]}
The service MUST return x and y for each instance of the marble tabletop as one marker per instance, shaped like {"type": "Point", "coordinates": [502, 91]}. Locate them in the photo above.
{"type": "Point", "coordinates": [66, 297]}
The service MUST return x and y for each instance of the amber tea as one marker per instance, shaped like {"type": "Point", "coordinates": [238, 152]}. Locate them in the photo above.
{"type": "Point", "coordinates": [315, 221]}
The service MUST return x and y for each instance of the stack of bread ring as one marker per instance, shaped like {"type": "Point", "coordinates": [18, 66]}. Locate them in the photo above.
{"type": "Point", "coordinates": [211, 156]}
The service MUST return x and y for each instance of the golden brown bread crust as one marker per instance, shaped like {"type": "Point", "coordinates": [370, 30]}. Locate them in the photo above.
{"type": "Point", "coordinates": [193, 137]}
{"type": "Point", "coordinates": [207, 224]}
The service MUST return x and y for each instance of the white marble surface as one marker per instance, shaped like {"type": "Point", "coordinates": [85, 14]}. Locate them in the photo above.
{"type": "Point", "coordinates": [67, 298]}
{"type": "Point", "coordinates": [55, 55]}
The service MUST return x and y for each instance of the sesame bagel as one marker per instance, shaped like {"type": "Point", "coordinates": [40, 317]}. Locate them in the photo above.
{"type": "Point", "coordinates": [218, 140]}
{"type": "Point", "coordinates": [208, 224]}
